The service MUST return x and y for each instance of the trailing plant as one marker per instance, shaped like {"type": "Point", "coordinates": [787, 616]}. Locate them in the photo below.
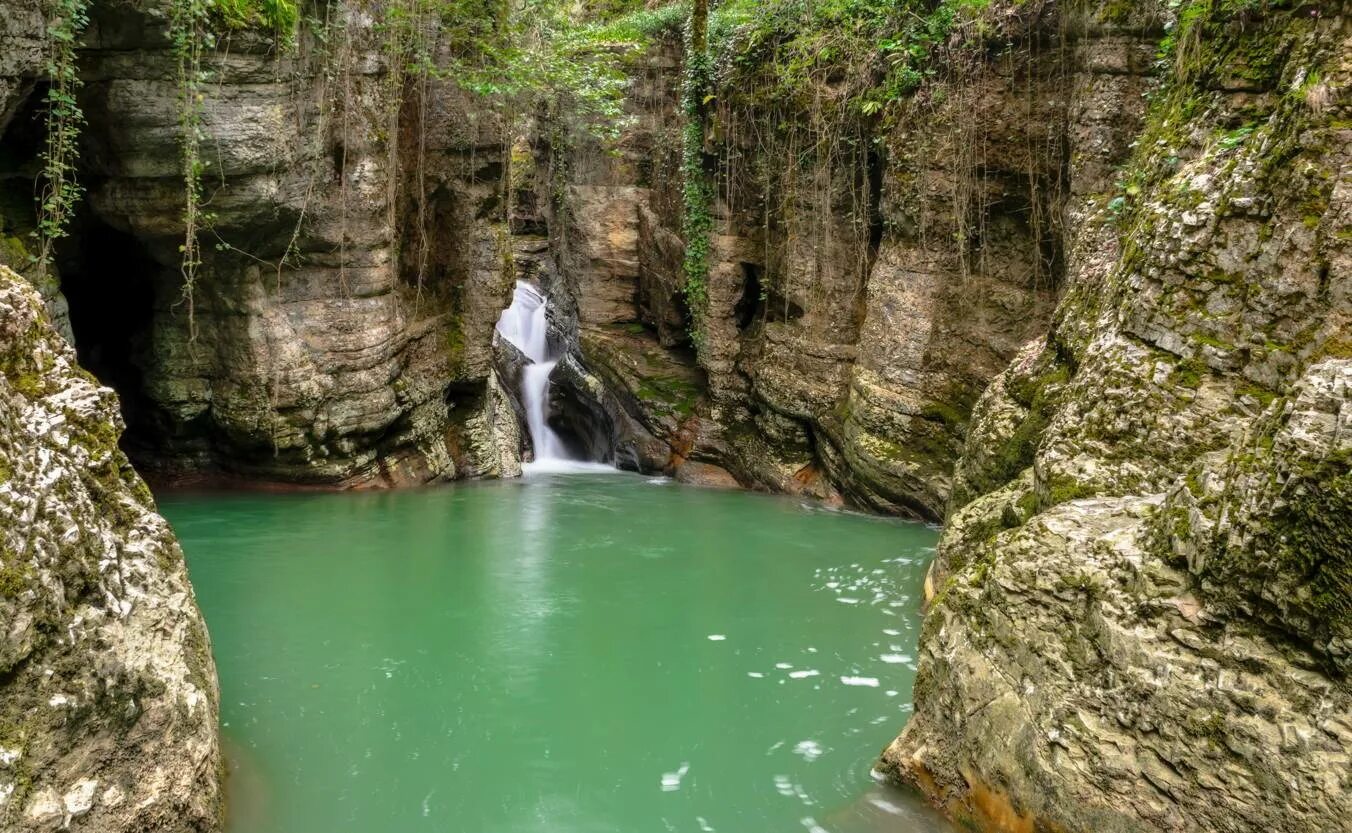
{"type": "Point", "coordinates": [697, 194]}
{"type": "Point", "coordinates": [191, 36]}
{"type": "Point", "coordinates": [194, 27]}
{"type": "Point", "coordinates": [61, 190]}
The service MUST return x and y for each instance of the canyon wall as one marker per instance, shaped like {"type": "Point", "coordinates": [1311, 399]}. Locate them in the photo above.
{"type": "Point", "coordinates": [1140, 609]}
{"type": "Point", "coordinates": [1088, 299]}
{"type": "Point", "coordinates": [1081, 292]}
{"type": "Point", "coordinates": [108, 696]}
{"type": "Point", "coordinates": [846, 335]}
{"type": "Point", "coordinates": [335, 331]}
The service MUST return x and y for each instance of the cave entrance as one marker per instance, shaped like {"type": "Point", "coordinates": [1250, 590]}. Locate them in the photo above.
{"type": "Point", "coordinates": [106, 276]}
{"type": "Point", "coordinates": [108, 279]}
{"type": "Point", "coordinates": [762, 302]}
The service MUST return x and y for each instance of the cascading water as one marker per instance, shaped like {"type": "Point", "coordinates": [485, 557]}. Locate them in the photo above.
{"type": "Point", "coordinates": [525, 326]}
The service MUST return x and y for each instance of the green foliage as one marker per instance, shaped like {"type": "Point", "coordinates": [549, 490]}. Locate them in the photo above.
{"type": "Point", "coordinates": [697, 194]}
{"type": "Point", "coordinates": [61, 191]}
{"type": "Point", "coordinates": [643, 24]}
{"type": "Point", "coordinates": [889, 43]}
{"type": "Point", "coordinates": [281, 16]}
{"type": "Point", "coordinates": [1234, 138]}
{"type": "Point", "coordinates": [517, 58]}
{"type": "Point", "coordinates": [884, 48]}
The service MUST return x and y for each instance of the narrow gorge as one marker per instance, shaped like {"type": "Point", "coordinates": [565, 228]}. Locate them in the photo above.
{"type": "Point", "coordinates": [426, 321]}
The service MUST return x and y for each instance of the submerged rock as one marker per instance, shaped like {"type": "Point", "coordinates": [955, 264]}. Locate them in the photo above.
{"type": "Point", "coordinates": [108, 699]}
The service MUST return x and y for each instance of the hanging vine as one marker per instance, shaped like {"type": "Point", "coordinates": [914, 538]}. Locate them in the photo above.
{"type": "Point", "coordinates": [697, 193]}
{"type": "Point", "coordinates": [60, 191]}
{"type": "Point", "coordinates": [191, 36]}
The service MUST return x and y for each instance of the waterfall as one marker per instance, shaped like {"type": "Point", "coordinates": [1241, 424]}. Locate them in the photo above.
{"type": "Point", "coordinates": [524, 325]}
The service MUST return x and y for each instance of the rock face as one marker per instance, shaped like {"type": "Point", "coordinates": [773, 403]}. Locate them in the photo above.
{"type": "Point", "coordinates": [846, 337]}
{"type": "Point", "coordinates": [1089, 304]}
{"type": "Point", "coordinates": [22, 41]}
{"type": "Point", "coordinates": [1141, 615]}
{"type": "Point", "coordinates": [108, 700]}
{"type": "Point", "coordinates": [23, 50]}
{"type": "Point", "coordinates": [337, 330]}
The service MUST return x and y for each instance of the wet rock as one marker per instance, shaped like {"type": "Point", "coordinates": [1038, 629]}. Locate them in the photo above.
{"type": "Point", "coordinates": [705, 474]}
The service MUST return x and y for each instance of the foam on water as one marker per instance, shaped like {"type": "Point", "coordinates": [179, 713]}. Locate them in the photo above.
{"type": "Point", "coordinates": [671, 781]}
{"type": "Point", "coordinates": [808, 750]}
{"type": "Point", "coordinates": [564, 466]}
{"type": "Point", "coordinates": [870, 682]}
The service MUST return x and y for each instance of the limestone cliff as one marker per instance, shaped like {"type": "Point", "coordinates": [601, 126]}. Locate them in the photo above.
{"type": "Point", "coordinates": [332, 332]}
{"type": "Point", "coordinates": [1078, 287]}
{"type": "Point", "coordinates": [1087, 296]}
{"type": "Point", "coordinates": [1140, 619]}
{"type": "Point", "coordinates": [867, 277]}
{"type": "Point", "coordinates": [108, 696]}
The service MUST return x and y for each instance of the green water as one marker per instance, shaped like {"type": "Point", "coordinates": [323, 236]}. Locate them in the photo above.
{"type": "Point", "coordinates": [564, 654]}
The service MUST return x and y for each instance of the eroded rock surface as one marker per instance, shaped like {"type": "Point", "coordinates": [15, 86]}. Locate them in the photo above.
{"type": "Point", "coordinates": [1141, 614]}
{"type": "Point", "coordinates": [108, 699]}
{"type": "Point", "coordinates": [861, 294]}
{"type": "Point", "coordinates": [337, 330]}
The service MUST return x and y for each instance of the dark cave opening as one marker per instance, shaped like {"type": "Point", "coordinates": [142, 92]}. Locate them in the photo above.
{"type": "Point", "coordinates": [108, 279]}
{"type": "Point", "coordinates": [106, 276]}
{"type": "Point", "coordinates": [20, 169]}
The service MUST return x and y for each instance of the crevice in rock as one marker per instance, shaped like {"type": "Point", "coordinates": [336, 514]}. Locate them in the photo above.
{"type": "Point", "coordinates": [584, 425]}
{"type": "Point", "coordinates": [20, 168]}
{"type": "Point", "coordinates": [753, 296]}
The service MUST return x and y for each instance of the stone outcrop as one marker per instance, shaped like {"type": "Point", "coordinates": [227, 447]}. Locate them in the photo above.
{"type": "Point", "coordinates": [108, 700]}
{"type": "Point", "coordinates": [1140, 619]}
{"type": "Point", "coordinates": [1098, 319]}
{"type": "Point", "coordinates": [22, 42]}
{"type": "Point", "coordinates": [23, 50]}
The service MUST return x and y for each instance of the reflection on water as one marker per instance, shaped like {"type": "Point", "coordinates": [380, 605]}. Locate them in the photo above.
{"type": "Point", "coordinates": [567, 653]}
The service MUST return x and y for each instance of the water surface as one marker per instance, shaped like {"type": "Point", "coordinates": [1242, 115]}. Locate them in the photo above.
{"type": "Point", "coordinates": [562, 654]}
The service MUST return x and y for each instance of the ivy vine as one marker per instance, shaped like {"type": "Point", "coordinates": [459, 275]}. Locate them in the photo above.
{"type": "Point", "coordinates": [697, 193]}
{"type": "Point", "coordinates": [61, 190]}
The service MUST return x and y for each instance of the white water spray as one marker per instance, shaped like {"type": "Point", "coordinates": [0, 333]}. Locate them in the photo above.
{"type": "Point", "coordinates": [525, 326]}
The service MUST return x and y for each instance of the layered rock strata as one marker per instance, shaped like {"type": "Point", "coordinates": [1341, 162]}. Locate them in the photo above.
{"type": "Point", "coordinates": [337, 329]}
